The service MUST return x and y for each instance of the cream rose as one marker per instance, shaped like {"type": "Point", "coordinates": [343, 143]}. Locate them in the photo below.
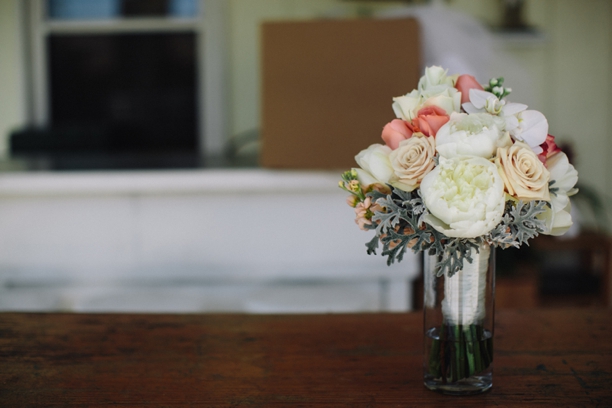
{"type": "Point", "coordinates": [412, 160]}
{"type": "Point", "coordinates": [477, 134]}
{"type": "Point", "coordinates": [524, 175]}
{"type": "Point", "coordinates": [465, 197]}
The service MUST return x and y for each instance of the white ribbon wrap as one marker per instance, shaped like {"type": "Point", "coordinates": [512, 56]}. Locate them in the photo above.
{"type": "Point", "coordinates": [464, 292]}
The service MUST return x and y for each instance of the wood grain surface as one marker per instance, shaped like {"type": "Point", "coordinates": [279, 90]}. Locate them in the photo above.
{"type": "Point", "coordinates": [542, 358]}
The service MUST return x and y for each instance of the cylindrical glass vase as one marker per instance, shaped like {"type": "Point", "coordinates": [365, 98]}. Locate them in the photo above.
{"type": "Point", "coordinates": [458, 320]}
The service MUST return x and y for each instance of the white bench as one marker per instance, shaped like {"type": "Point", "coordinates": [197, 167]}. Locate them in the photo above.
{"type": "Point", "coordinates": [189, 241]}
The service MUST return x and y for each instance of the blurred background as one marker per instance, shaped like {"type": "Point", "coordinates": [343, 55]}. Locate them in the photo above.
{"type": "Point", "coordinates": [183, 155]}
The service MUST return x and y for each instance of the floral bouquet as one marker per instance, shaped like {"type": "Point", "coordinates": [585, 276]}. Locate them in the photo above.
{"type": "Point", "coordinates": [461, 171]}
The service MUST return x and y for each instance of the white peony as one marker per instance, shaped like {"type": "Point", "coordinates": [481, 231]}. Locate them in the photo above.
{"type": "Point", "coordinates": [477, 134]}
{"type": "Point", "coordinates": [465, 197]}
{"type": "Point", "coordinates": [563, 178]}
{"type": "Point", "coordinates": [374, 161]}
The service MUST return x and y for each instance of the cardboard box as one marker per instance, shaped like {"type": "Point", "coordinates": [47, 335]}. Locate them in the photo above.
{"type": "Point", "coordinates": [327, 88]}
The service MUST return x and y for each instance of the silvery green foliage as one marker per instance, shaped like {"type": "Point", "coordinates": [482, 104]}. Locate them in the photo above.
{"type": "Point", "coordinates": [519, 224]}
{"type": "Point", "coordinates": [455, 252]}
{"type": "Point", "coordinates": [400, 225]}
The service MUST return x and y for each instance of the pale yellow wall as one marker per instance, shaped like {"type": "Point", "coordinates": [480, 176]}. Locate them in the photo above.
{"type": "Point", "coordinates": [578, 84]}
{"type": "Point", "coordinates": [574, 82]}
{"type": "Point", "coordinates": [12, 98]}
{"type": "Point", "coordinates": [245, 19]}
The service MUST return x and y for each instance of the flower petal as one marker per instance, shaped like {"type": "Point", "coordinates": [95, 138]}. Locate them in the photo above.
{"type": "Point", "coordinates": [534, 128]}
{"type": "Point", "coordinates": [405, 106]}
{"type": "Point", "coordinates": [470, 108]}
{"type": "Point", "coordinates": [513, 108]}
{"type": "Point", "coordinates": [365, 178]}
{"type": "Point", "coordinates": [464, 84]}
{"type": "Point", "coordinates": [479, 98]}
{"type": "Point", "coordinates": [512, 123]}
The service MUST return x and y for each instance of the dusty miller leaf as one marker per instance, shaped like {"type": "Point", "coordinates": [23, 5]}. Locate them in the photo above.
{"type": "Point", "coordinates": [519, 224]}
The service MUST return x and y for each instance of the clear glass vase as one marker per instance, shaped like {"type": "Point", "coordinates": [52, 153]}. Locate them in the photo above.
{"type": "Point", "coordinates": [458, 320]}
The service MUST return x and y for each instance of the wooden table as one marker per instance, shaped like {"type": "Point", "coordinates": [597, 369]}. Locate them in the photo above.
{"type": "Point", "coordinates": [542, 357]}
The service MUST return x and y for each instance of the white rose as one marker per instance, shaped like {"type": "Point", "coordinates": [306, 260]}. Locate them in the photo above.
{"type": "Point", "coordinates": [563, 178]}
{"type": "Point", "coordinates": [435, 89]}
{"type": "Point", "coordinates": [375, 162]}
{"type": "Point", "coordinates": [448, 99]}
{"type": "Point", "coordinates": [405, 107]}
{"type": "Point", "coordinates": [465, 197]}
{"type": "Point", "coordinates": [365, 178]}
{"type": "Point", "coordinates": [412, 160]}
{"type": "Point", "coordinates": [470, 135]}
{"type": "Point", "coordinates": [436, 76]}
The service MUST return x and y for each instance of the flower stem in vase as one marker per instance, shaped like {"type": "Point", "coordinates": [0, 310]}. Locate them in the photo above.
{"type": "Point", "coordinates": [460, 346]}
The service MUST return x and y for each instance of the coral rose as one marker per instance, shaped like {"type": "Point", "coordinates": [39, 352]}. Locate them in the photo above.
{"type": "Point", "coordinates": [396, 131]}
{"type": "Point", "coordinates": [429, 120]}
{"type": "Point", "coordinates": [524, 175]}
